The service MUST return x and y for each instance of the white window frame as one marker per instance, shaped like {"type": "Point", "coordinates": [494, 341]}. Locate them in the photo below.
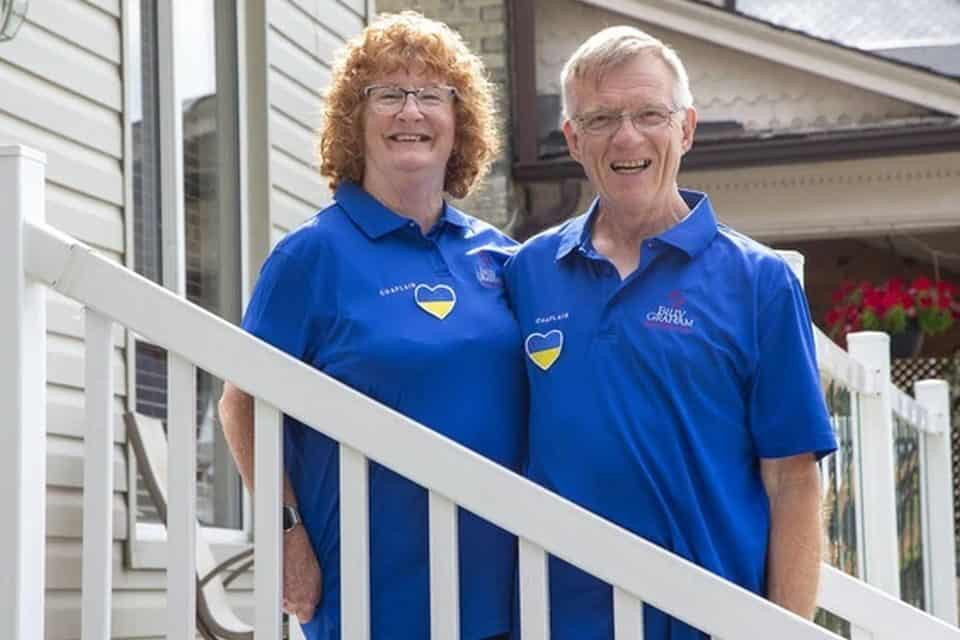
{"type": "Point", "coordinates": [146, 543]}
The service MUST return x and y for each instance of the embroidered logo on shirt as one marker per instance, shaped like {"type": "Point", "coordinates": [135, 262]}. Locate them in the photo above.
{"type": "Point", "coordinates": [437, 300]}
{"type": "Point", "coordinates": [397, 288]}
{"type": "Point", "coordinates": [544, 348]}
{"type": "Point", "coordinates": [670, 316]}
{"type": "Point", "coordinates": [553, 317]}
{"type": "Point", "coordinates": [487, 273]}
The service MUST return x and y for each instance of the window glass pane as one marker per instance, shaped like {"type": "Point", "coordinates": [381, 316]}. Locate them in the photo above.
{"type": "Point", "coordinates": [212, 235]}
{"type": "Point", "coordinates": [145, 141]}
{"type": "Point", "coordinates": [210, 216]}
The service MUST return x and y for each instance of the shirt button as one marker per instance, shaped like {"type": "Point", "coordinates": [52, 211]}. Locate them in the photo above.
{"type": "Point", "coordinates": [651, 244]}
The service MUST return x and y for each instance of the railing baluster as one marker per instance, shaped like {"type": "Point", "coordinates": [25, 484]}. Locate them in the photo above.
{"type": "Point", "coordinates": [354, 545]}
{"type": "Point", "coordinates": [23, 398]}
{"type": "Point", "coordinates": [182, 492]}
{"type": "Point", "coordinates": [936, 490]}
{"type": "Point", "coordinates": [268, 481]}
{"type": "Point", "coordinates": [877, 464]}
{"type": "Point", "coordinates": [534, 592]}
{"type": "Point", "coordinates": [627, 616]}
{"type": "Point", "coordinates": [444, 571]}
{"type": "Point", "coordinates": [97, 478]}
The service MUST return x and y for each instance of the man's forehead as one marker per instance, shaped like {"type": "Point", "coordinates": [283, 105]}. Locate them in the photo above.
{"type": "Point", "coordinates": [645, 73]}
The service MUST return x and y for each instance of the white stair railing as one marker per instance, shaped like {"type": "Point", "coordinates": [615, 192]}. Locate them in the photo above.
{"type": "Point", "coordinates": [97, 559]}
{"type": "Point", "coordinates": [937, 490]}
{"type": "Point", "coordinates": [23, 399]}
{"type": "Point", "coordinates": [268, 445]}
{"type": "Point", "coordinates": [638, 570]}
{"type": "Point", "coordinates": [865, 372]}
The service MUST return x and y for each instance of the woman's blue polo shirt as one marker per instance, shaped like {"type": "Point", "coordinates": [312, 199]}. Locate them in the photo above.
{"type": "Point", "coordinates": [654, 398]}
{"type": "Point", "coordinates": [421, 324]}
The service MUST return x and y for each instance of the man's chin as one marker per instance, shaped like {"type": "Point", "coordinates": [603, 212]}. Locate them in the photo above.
{"type": "Point", "coordinates": [639, 197]}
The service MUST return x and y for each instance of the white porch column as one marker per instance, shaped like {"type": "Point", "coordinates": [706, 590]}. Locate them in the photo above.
{"type": "Point", "coordinates": [877, 482]}
{"type": "Point", "coordinates": [936, 488]}
{"type": "Point", "coordinates": [23, 374]}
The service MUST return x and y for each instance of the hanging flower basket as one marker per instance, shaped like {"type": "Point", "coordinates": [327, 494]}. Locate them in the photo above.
{"type": "Point", "coordinates": [906, 311]}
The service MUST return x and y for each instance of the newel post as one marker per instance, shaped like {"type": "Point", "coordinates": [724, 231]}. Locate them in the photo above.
{"type": "Point", "coordinates": [23, 376]}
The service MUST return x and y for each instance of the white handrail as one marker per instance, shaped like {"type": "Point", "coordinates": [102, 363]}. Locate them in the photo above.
{"type": "Point", "coordinates": [870, 608]}
{"type": "Point", "coordinates": [556, 525]}
{"type": "Point", "coordinates": [912, 412]}
{"type": "Point", "coordinates": [840, 366]}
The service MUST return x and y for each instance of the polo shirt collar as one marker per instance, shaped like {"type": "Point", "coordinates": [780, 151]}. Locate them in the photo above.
{"type": "Point", "coordinates": [697, 230]}
{"type": "Point", "coordinates": [691, 235]}
{"type": "Point", "coordinates": [375, 219]}
{"type": "Point", "coordinates": [576, 233]}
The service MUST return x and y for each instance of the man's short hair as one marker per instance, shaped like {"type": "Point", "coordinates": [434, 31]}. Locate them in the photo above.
{"type": "Point", "coordinates": [612, 47]}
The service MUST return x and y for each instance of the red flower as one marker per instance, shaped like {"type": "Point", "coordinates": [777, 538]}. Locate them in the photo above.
{"type": "Point", "coordinates": [892, 305]}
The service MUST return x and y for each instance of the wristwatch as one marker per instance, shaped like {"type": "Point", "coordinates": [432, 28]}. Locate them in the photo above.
{"type": "Point", "coordinates": [290, 517]}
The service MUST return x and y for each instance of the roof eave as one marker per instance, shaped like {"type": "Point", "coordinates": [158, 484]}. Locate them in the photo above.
{"type": "Point", "coordinates": [856, 68]}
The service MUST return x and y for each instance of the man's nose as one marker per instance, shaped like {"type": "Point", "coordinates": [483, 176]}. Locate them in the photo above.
{"type": "Point", "coordinates": [626, 131]}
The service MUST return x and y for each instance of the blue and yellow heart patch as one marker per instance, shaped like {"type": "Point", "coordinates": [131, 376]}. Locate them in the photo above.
{"type": "Point", "coordinates": [544, 348]}
{"type": "Point", "coordinates": [438, 300]}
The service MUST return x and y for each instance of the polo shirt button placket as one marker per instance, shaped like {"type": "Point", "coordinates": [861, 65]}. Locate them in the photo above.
{"type": "Point", "coordinates": [440, 266]}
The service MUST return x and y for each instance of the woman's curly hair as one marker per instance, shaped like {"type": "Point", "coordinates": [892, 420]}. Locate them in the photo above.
{"type": "Point", "coordinates": [395, 42]}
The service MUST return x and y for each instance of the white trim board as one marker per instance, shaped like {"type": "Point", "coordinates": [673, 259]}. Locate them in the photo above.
{"type": "Point", "coordinates": [795, 50]}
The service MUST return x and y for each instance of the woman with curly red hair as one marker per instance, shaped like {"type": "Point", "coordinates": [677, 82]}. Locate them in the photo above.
{"type": "Point", "coordinates": [396, 293]}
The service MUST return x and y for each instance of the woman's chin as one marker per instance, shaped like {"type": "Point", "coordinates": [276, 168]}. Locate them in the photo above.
{"type": "Point", "coordinates": [418, 164]}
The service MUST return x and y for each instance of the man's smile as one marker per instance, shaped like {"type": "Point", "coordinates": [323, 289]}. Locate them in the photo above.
{"type": "Point", "coordinates": [629, 166]}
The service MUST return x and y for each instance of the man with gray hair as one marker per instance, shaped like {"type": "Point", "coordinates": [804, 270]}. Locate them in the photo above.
{"type": "Point", "coordinates": [673, 378]}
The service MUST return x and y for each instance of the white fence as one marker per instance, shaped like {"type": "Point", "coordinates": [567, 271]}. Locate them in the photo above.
{"type": "Point", "coordinates": [878, 410]}
{"type": "Point", "coordinates": [34, 256]}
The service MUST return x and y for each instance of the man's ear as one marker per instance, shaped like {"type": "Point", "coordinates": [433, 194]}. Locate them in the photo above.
{"type": "Point", "coordinates": [689, 125]}
{"type": "Point", "coordinates": [572, 137]}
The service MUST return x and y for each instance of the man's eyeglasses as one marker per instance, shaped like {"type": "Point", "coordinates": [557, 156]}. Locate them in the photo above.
{"type": "Point", "coordinates": [600, 123]}
{"type": "Point", "coordinates": [388, 100]}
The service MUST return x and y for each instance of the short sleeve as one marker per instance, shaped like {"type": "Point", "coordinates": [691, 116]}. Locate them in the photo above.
{"type": "Point", "coordinates": [281, 308]}
{"type": "Point", "coordinates": [788, 414]}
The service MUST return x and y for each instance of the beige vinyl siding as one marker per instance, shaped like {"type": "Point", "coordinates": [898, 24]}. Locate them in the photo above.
{"type": "Point", "coordinates": [61, 92]}
{"type": "Point", "coordinates": [303, 39]}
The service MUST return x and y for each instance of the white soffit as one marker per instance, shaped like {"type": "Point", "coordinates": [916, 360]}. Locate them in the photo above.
{"type": "Point", "coordinates": [861, 70]}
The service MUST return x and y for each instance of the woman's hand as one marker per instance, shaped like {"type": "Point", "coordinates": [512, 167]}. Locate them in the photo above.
{"type": "Point", "coordinates": [302, 581]}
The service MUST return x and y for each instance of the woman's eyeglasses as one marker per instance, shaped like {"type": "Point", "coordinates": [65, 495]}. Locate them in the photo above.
{"type": "Point", "coordinates": [389, 100]}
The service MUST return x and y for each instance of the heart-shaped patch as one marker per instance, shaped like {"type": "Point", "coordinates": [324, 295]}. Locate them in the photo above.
{"type": "Point", "coordinates": [438, 300]}
{"type": "Point", "coordinates": [544, 348]}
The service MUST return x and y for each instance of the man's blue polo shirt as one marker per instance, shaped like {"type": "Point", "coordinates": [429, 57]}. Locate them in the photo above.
{"type": "Point", "coordinates": [654, 398]}
{"type": "Point", "coordinates": [421, 324]}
